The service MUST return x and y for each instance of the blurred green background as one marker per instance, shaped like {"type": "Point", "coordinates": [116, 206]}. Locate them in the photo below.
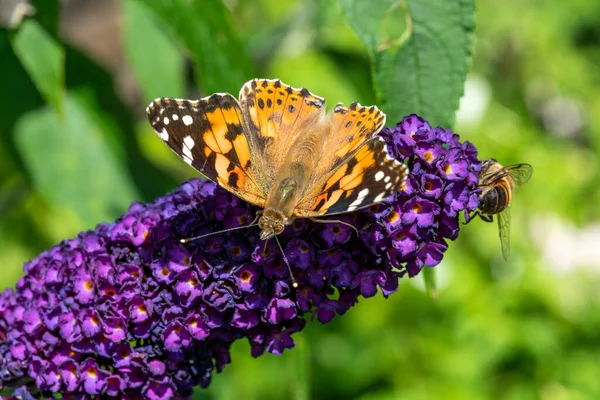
{"type": "Point", "coordinates": [76, 149]}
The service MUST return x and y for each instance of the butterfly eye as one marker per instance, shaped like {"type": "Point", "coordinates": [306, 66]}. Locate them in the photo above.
{"type": "Point", "coordinates": [279, 228]}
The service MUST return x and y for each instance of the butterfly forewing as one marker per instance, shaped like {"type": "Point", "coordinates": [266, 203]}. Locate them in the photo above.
{"type": "Point", "coordinates": [277, 115]}
{"type": "Point", "coordinates": [209, 134]}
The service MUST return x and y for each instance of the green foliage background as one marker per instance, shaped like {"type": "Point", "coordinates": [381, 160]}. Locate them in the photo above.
{"type": "Point", "coordinates": [76, 149]}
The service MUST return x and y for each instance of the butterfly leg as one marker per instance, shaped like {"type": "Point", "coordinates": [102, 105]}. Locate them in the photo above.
{"type": "Point", "coordinates": [334, 221]}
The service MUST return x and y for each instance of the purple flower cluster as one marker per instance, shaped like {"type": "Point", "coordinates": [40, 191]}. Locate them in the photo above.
{"type": "Point", "coordinates": [127, 311]}
{"type": "Point", "coordinates": [443, 182]}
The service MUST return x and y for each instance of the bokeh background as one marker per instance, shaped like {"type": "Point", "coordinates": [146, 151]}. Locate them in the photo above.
{"type": "Point", "coordinates": [77, 150]}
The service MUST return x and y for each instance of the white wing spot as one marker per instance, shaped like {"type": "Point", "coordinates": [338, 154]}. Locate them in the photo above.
{"type": "Point", "coordinates": [387, 178]}
{"type": "Point", "coordinates": [379, 175]}
{"type": "Point", "coordinates": [187, 153]}
{"type": "Point", "coordinates": [166, 121]}
{"type": "Point", "coordinates": [188, 141]}
{"type": "Point", "coordinates": [187, 119]}
{"type": "Point", "coordinates": [186, 158]}
{"type": "Point", "coordinates": [380, 197]}
{"type": "Point", "coordinates": [175, 117]}
{"type": "Point", "coordinates": [388, 185]}
{"type": "Point", "coordinates": [361, 196]}
{"type": "Point", "coordinates": [164, 135]}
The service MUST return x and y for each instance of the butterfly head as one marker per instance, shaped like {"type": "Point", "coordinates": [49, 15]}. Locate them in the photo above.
{"type": "Point", "coordinates": [271, 223]}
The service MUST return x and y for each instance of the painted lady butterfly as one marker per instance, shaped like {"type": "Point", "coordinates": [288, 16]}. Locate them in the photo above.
{"type": "Point", "coordinates": [277, 149]}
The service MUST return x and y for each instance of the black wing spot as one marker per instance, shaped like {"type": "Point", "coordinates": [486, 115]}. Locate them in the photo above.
{"type": "Point", "coordinates": [319, 204]}
{"type": "Point", "coordinates": [279, 102]}
{"type": "Point", "coordinates": [261, 104]}
{"type": "Point", "coordinates": [291, 108]}
{"type": "Point", "coordinates": [348, 124]}
{"type": "Point", "coordinates": [269, 103]}
{"type": "Point", "coordinates": [233, 178]}
{"type": "Point", "coordinates": [233, 131]}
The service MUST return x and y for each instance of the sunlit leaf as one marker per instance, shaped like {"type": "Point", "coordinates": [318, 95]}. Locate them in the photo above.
{"type": "Point", "coordinates": [71, 163]}
{"type": "Point", "coordinates": [155, 60]}
{"type": "Point", "coordinates": [205, 29]}
{"type": "Point", "coordinates": [43, 59]}
{"type": "Point", "coordinates": [421, 51]}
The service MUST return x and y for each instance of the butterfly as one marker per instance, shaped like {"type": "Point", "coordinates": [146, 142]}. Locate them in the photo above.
{"type": "Point", "coordinates": [277, 148]}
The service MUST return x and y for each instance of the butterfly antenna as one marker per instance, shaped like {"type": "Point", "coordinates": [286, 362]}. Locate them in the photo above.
{"type": "Point", "coordinates": [187, 240]}
{"type": "Point", "coordinates": [294, 283]}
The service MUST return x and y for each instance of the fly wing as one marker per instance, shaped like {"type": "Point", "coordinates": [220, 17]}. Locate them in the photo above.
{"type": "Point", "coordinates": [504, 231]}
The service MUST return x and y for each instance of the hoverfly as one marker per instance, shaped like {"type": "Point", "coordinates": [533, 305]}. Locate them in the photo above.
{"type": "Point", "coordinates": [497, 184]}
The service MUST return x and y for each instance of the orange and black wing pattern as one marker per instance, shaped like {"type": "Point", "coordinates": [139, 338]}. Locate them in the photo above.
{"type": "Point", "coordinates": [366, 177]}
{"type": "Point", "coordinates": [276, 115]}
{"type": "Point", "coordinates": [209, 134]}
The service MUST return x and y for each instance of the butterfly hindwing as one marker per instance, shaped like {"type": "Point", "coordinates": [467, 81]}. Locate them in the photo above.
{"type": "Point", "coordinates": [369, 176]}
{"type": "Point", "coordinates": [209, 135]}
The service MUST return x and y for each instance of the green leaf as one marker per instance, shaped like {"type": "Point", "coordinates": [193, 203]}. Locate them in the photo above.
{"type": "Point", "coordinates": [421, 52]}
{"type": "Point", "coordinates": [47, 12]}
{"type": "Point", "coordinates": [155, 60]}
{"type": "Point", "coordinates": [205, 29]}
{"type": "Point", "coordinates": [71, 163]}
{"type": "Point", "coordinates": [43, 59]}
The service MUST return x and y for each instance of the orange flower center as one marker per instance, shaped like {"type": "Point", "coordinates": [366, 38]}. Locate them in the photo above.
{"type": "Point", "coordinates": [246, 275]}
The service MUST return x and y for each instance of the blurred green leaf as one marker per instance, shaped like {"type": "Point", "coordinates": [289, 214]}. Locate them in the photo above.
{"type": "Point", "coordinates": [429, 278]}
{"type": "Point", "coordinates": [84, 72]}
{"type": "Point", "coordinates": [302, 368]}
{"type": "Point", "coordinates": [47, 12]}
{"type": "Point", "coordinates": [71, 163]}
{"type": "Point", "coordinates": [207, 32]}
{"type": "Point", "coordinates": [155, 60]}
{"type": "Point", "coordinates": [43, 59]}
{"type": "Point", "coordinates": [421, 51]}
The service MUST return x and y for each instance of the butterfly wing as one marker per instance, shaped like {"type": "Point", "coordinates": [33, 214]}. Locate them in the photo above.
{"type": "Point", "coordinates": [209, 134]}
{"type": "Point", "coordinates": [276, 115]}
{"type": "Point", "coordinates": [360, 172]}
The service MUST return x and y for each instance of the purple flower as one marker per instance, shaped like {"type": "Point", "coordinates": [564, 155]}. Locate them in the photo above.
{"type": "Point", "coordinates": [127, 311]}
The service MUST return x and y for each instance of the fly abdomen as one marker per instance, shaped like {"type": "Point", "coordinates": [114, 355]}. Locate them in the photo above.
{"type": "Point", "coordinates": [494, 200]}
